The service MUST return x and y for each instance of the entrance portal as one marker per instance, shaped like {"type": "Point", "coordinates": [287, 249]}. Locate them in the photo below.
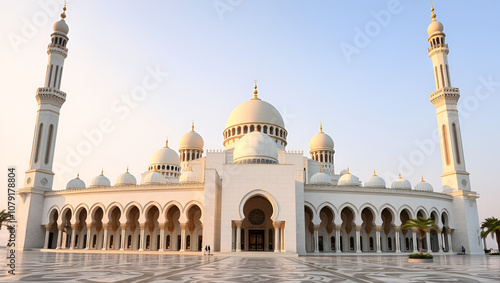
{"type": "Point", "coordinates": [256, 239]}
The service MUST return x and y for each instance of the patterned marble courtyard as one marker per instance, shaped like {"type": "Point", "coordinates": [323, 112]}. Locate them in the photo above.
{"type": "Point", "coordinates": [81, 267]}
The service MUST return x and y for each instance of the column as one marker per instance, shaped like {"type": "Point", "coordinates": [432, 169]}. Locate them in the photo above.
{"type": "Point", "coordinates": [162, 237]}
{"type": "Point", "coordinates": [316, 237]}
{"type": "Point", "coordinates": [73, 236]}
{"type": "Point", "coordinates": [183, 237]}
{"type": "Point", "coordinates": [89, 235]}
{"type": "Point", "coordinates": [276, 245]}
{"type": "Point", "coordinates": [122, 240]}
{"type": "Point", "coordinates": [396, 236]}
{"type": "Point", "coordinates": [414, 238]}
{"type": "Point", "coordinates": [448, 234]}
{"type": "Point", "coordinates": [47, 234]}
{"type": "Point", "coordinates": [440, 240]}
{"type": "Point", "coordinates": [337, 238]}
{"type": "Point", "coordinates": [358, 238]}
{"type": "Point", "coordinates": [59, 236]}
{"type": "Point", "coordinates": [378, 228]}
{"type": "Point", "coordinates": [141, 244]}
{"type": "Point", "coordinates": [282, 236]}
{"type": "Point", "coordinates": [233, 236]}
{"type": "Point", "coordinates": [238, 235]}
{"type": "Point", "coordinates": [105, 227]}
{"type": "Point", "coordinates": [428, 241]}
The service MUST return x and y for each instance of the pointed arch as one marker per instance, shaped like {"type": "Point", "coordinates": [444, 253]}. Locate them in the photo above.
{"type": "Point", "coordinates": [424, 211]}
{"type": "Point", "coordinates": [94, 208]}
{"type": "Point", "coordinates": [190, 204]}
{"type": "Point", "coordinates": [410, 211]}
{"type": "Point", "coordinates": [391, 210]}
{"type": "Point", "coordinates": [50, 214]}
{"type": "Point", "coordinates": [111, 206]}
{"type": "Point", "coordinates": [264, 194]}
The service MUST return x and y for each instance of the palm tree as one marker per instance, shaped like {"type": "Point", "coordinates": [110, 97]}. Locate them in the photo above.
{"type": "Point", "coordinates": [3, 218]}
{"type": "Point", "coordinates": [422, 226]}
{"type": "Point", "coordinates": [491, 226]}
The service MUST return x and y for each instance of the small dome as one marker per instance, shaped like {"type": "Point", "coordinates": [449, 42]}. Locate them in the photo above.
{"type": "Point", "coordinates": [423, 186]}
{"type": "Point", "coordinates": [165, 155]}
{"type": "Point", "coordinates": [76, 183]}
{"type": "Point", "coordinates": [375, 182]}
{"type": "Point", "coordinates": [61, 26]}
{"type": "Point", "coordinates": [348, 180]}
{"type": "Point", "coordinates": [343, 172]}
{"type": "Point", "coordinates": [320, 178]}
{"type": "Point", "coordinates": [125, 179]}
{"type": "Point", "coordinates": [188, 176]}
{"type": "Point", "coordinates": [321, 141]}
{"type": "Point", "coordinates": [255, 147]}
{"type": "Point", "coordinates": [191, 140]}
{"type": "Point", "coordinates": [435, 27]}
{"type": "Point", "coordinates": [154, 178]}
{"type": "Point", "coordinates": [100, 181]}
{"type": "Point", "coordinates": [401, 183]}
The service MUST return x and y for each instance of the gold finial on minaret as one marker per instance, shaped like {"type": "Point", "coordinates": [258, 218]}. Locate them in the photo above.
{"type": "Point", "coordinates": [255, 92]}
{"type": "Point", "coordinates": [192, 126]}
{"type": "Point", "coordinates": [166, 144]}
{"type": "Point", "coordinates": [63, 14]}
{"type": "Point", "coordinates": [321, 127]}
{"type": "Point", "coordinates": [433, 15]}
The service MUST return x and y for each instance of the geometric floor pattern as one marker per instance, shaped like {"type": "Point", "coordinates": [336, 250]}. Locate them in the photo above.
{"type": "Point", "coordinates": [35, 266]}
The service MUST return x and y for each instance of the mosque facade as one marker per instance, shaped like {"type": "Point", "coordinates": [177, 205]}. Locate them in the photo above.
{"type": "Point", "coordinates": [254, 195]}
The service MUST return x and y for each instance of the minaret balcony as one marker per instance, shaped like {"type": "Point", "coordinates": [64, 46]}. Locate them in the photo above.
{"type": "Point", "coordinates": [50, 95]}
{"type": "Point", "coordinates": [57, 49]}
{"type": "Point", "coordinates": [445, 95]}
{"type": "Point", "coordinates": [443, 47]}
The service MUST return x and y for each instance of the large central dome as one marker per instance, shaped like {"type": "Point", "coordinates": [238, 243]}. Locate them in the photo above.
{"type": "Point", "coordinates": [255, 115]}
{"type": "Point", "coordinates": [255, 111]}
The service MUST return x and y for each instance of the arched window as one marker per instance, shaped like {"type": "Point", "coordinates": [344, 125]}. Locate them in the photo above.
{"type": "Point", "coordinates": [94, 241]}
{"type": "Point", "coordinates": [436, 73]}
{"type": "Point", "coordinates": [163, 167]}
{"type": "Point", "coordinates": [437, 40]}
{"type": "Point", "coordinates": [111, 242]}
{"type": "Point", "coordinates": [445, 142]}
{"type": "Point", "coordinates": [332, 243]}
{"type": "Point", "coordinates": [50, 75]}
{"type": "Point", "coordinates": [389, 243]}
{"type": "Point", "coordinates": [239, 130]}
{"type": "Point", "coordinates": [442, 75]}
{"type": "Point", "coordinates": [271, 130]}
{"type": "Point", "coordinates": [55, 76]}
{"type": "Point", "coordinates": [129, 242]}
{"type": "Point", "coordinates": [60, 75]}
{"type": "Point", "coordinates": [233, 131]}
{"type": "Point", "coordinates": [407, 242]}
{"type": "Point", "coordinates": [252, 128]}
{"type": "Point", "coordinates": [321, 158]}
{"type": "Point", "coordinates": [265, 129]}
{"type": "Point", "coordinates": [168, 242]}
{"type": "Point", "coordinates": [258, 128]}
{"type": "Point", "coordinates": [245, 129]}
{"type": "Point", "coordinates": [351, 243]}
{"type": "Point", "coordinates": [188, 242]}
{"type": "Point", "coordinates": [455, 139]}
{"type": "Point", "coordinates": [448, 75]}
{"type": "Point", "coordinates": [158, 167]}
{"type": "Point", "coordinates": [39, 141]}
{"type": "Point", "coordinates": [148, 242]}
{"type": "Point", "coordinates": [371, 243]}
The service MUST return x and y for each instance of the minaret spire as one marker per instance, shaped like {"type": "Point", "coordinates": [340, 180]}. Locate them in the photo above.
{"type": "Point", "coordinates": [255, 91]}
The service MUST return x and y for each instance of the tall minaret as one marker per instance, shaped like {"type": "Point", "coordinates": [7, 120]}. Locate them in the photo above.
{"type": "Point", "coordinates": [50, 99]}
{"type": "Point", "coordinates": [39, 177]}
{"type": "Point", "coordinates": [463, 229]}
{"type": "Point", "coordinates": [445, 99]}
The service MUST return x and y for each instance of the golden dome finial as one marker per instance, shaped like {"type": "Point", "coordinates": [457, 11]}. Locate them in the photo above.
{"type": "Point", "coordinates": [127, 169]}
{"type": "Point", "coordinates": [422, 180]}
{"type": "Point", "coordinates": [192, 126]}
{"type": "Point", "coordinates": [102, 172]}
{"type": "Point", "coordinates": [166, 143]}
{"type": "Point", "coordinates": [400, 176]}
{"type": "Point", "coordinates": [433, 15]}
{"type": "Point", "coordinates": [255, 92]}
{"type": "Point", "coordinates": [348, 171]}
{"type": "Point", "coordinates": [78, 175]}
{"type": "Point", "coordinates": [320, 169]}
{"type": "Point", "coordinates": [320, 127]}
{"type": "Point", "coordinates": [190, 168]}
{"type": "Point", "coordinates": [63, 14]}
{"type": "Point", "coordinates": [374, 174]}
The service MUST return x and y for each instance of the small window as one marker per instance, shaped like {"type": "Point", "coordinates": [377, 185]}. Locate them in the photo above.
{"type": "Point", "coordinates": [239, 130]}
{"type": "Point", "coordinates": [245, 129]}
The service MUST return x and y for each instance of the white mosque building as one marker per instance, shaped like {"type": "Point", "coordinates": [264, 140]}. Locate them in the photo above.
{"type": "Point", "coordinates": [252, 196]}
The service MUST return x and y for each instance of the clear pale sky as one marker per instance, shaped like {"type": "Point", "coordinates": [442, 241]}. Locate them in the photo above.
{"type": "Point", "coordinates": [374, 103]}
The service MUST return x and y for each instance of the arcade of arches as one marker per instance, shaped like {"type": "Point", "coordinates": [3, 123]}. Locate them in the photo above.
{"type": "Point", "coordinates": [372, 232]}
{"type": "Point", "coordinates": [132, 228]}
